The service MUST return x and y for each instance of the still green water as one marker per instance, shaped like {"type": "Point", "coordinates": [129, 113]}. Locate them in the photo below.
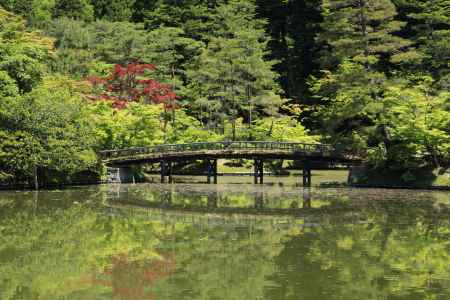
{"type": "Point", "coordinates": [231, 241]}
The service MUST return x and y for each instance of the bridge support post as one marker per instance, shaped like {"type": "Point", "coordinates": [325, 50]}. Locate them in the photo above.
{"type": "Point", "coordinates": [259, 171]}
{"type": "Point", "coordinates": [169, 171]}
{"type": "Point", "coordinates": [306, 173]}
{"type": "Point", "coordinates": [211, 170]}
{"type": "Point", "coordinates": [215, 171]}
{"type": "Point", "coordinates": [163, 171]}
{"type": "Point", "coordinates": [208, 171]}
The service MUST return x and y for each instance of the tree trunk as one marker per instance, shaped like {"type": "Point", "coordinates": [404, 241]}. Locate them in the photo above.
{"type": "Point", "coordinates": [165, 123]}
{"type": "Point", "coordinates": [250, 115]}
{"type": "Point", "coordinates": [433, 154]}
{"type": "Point", "coordinates": [173, 100]}
{"type": "Point", "coordinates": [363, 22]}
{"type": "Point", "coordinates": [271, 128]}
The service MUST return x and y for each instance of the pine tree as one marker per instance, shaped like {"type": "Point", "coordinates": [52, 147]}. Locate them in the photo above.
{"type": "Point", "coordinates": [113, 10]}
{"type": "Point", "coordinates": [195, 17]}
{"type": "Point", "coordinates": [231, 73]}
{"type": "Point", "coordinates": [363, 30]}
{"type": "Point", "coordinates": [74, 9]}
{"type": "Point", "coordinates": [360, 49]}
{"type": "Point", "coordinates": [173, 51]}
{"type": "Point", "coordinates": [356, 91]}
{"type": "Point", "coordinates": [141, 9]}
{"type": "Point", "coordinates": [293, 26]}
{"type": "Point", "coordinates": [428, 27]}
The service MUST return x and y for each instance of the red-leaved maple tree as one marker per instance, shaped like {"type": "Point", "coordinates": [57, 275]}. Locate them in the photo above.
{"type": "Point", "coordinates": [131, 83]}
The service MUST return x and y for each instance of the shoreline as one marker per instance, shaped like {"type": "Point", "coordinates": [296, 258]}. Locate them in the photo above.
{"type": "Point", "coordinates": [22, 188]}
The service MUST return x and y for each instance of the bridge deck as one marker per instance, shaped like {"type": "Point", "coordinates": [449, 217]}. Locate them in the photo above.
{"type": "Point", "coordinates": [230, 150]}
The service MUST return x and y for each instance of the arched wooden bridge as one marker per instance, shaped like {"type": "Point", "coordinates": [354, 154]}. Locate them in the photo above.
{"type": "Point", "coordinates": [211, 152]}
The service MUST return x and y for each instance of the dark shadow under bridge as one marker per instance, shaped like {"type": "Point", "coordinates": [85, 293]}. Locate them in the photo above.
{"type": "Point", "coordinates": [210, 152]}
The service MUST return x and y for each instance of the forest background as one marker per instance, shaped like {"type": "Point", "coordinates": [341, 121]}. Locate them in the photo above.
{"type": "Point", "coordinates": [80, 76]}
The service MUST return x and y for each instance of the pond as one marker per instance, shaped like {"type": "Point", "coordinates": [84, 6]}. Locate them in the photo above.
{"type": "Point", "coordinates": [227, 241]}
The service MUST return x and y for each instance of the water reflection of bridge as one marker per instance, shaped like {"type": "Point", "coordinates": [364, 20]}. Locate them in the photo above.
{"type": "Point", "coordinates": [217, 198]}
{"type": "Point", "coordinates": [259, 152]}
{"type": "Point", "coordinates": [211, 219]}
{"type": "Point", "coordinates": [167, 206]}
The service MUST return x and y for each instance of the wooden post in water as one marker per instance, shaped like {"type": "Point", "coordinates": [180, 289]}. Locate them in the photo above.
{"type": "Point", "coordinates": [306, 173]}
{"type": "Point", "coordinates": [211, 170]}
{"type": "Point", "coordinates": [255, 171]}
{"type": "Point", "coordinates": [163, 171]}
{"type": "Point", "coordinates": [259, 171]}
{"type": "Point", "coordinates": [169, 164]}
{"type": "Point", "coordinates": [215, 171]}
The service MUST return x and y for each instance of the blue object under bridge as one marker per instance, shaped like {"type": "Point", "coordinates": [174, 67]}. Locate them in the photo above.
{"type": "Point", "coordinates": [210, 152]}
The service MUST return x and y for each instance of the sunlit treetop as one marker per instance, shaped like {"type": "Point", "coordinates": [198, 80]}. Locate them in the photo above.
{"type": "Point", "coordinates": [13, 30]}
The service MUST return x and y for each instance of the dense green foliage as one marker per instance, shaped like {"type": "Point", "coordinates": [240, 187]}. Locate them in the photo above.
{"type": "Point", "coordinates": [370, 75]}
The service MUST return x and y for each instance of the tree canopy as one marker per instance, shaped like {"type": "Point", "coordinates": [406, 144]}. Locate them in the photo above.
{"type": "Point", "coordinates": [368, 75]}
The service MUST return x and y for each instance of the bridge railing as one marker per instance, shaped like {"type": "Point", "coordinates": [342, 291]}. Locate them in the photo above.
{"type": "Point", "coordinates": [318, 149]}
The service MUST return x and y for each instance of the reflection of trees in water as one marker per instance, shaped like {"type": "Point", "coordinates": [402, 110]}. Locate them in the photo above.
{"type": "Point", "coordinates": [55, 253]}
{"type": "Point", "coordinates": [394, 247]}
{"type": "Point", "coordinates": [390, 249]}
{"type": "Point", "coordinates": [392, 254]}
{"type": "Point", "coordinates": [211, 199]}
{"type": "Point", "coordinates": [226, 263]}
{"type": "Point", "coordinates": [371, 250]}
{"type": "Point", "coordinates": [51, 252]}
{"type": "Point", "coordinates": [129, 279]}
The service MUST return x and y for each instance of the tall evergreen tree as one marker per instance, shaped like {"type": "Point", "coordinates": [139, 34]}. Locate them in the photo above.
{"type": "Point", "coordinates": [74, 9]}
{"type": "Point", "coordinates": [232, 73]}
{"type": "Point", "coordinates": [195, 17]}
{"type": "Point", "coordinates": [173, 51]}
{"type": "Point", "coordinates": [113, 10]}
{"type": "Point", "coordinates": [428, 26]}
{"type": "Point", "coordinates": [363, 30]}
{"type": "Point", "coordinates": [360, 47]}
{"type": "Point", "coordinates": [293, 26]}
{"type": "Point", "coordinates": [141, 8]}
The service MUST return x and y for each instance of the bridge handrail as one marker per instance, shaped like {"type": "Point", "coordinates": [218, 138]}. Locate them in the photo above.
{"type": "Point", "coordinates": [324, 149]}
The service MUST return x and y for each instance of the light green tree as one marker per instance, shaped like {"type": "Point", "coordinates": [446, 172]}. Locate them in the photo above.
{"type": "Point", "coordinates": [54, 118]}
